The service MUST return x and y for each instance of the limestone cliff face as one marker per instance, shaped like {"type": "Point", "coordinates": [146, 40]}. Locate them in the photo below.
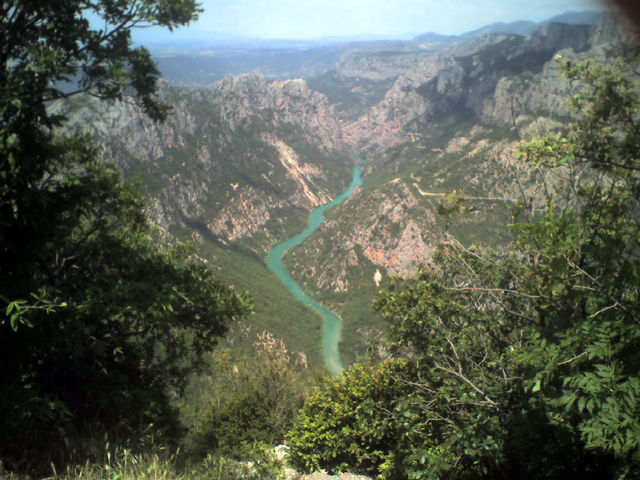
{"type": "Point", "coordinates": [399, 234]}
{"type": "Point", "coordinates": [281, 102]}
{"type": "Point", "coordinates": [525, 96]}
{"type": "Point", "coordinates": [230, 156]}
{"type": "Point", "coordinates": [478, 79]}
{"type": "Point", "coordinates": [301, 172]}
{"type": "Point", "coordinates": [383, 125]}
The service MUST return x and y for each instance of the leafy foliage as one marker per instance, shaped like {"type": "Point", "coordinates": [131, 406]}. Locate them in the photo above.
{"type": "Point", "coordinates": [50, 50]}
{"type": "Point", "coordinates": [100, 326]}
{"type": "Point", "coordinates": [590, 276]}
{"type": "Point", "coordinates": [129, 321]}
{"type": "Point", "coordinates": [348, 424]}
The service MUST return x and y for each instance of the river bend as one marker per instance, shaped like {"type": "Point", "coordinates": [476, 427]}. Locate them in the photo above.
{"type": "Point", "coordinates": [332, 325]}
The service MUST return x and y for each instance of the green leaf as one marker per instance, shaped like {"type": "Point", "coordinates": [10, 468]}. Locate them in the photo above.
{"type": "Point", "coordinates": [536, 386]}
{"type": "Point", "coordinates": [581, 403]}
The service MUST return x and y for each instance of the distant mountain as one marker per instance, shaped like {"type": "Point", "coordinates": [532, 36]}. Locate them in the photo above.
{"type": "Point", "coordinates": [434, 38]}
{"type": "Point", "coordinates": [208, 66]}
{"type": "Point", "coordinates": [201, 67]}
{"type": "Point", "coordinates": [201, 58]}
{"type": "Point", "coordinates": [587, 17]}
{"type": "Point", "coordinates": [202, 41]}
{"type": "Point", "coordinates": [522, 27]}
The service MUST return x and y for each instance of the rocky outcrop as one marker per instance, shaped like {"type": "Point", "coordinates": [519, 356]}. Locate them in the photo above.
{"type": "Point", "coordinates": [523, 97]}
{"type": "Point", "coordinates": [398, 234]}
{"type": "Point", "coordinates": [383, 125]}
{"type": "Point", "coordinates": [302, 173]}
{"type": "Point", "coordinates": [390, 228]}
{"type": "Point", "coordinates": [281, 102]}
{"type": "Point", "coordinates": [246, 213]}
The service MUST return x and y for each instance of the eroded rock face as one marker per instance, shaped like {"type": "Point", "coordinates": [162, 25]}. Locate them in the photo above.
{"type": "Point", "coordinates": [396, 235]}
{"type": "Point", "coordinates": [246, 213]}
{"type": "Point", "coordinates": [303, 173]}
{"type": "Point", "coordinates": [282, 102]}
{"type": "Point", "coordinates": [387, 228]}
{"type": "Point", "coordinates": [479, 79]}
{"type": "Point", "coordinates": [383, 126]}
{"type": "Point", "coordinates": [229, 156]}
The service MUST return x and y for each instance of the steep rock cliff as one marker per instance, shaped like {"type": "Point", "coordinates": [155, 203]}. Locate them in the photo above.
{"type": "Point", "coordinates": [477, 80]}
{"type": "Point", "coordinates": [230, 156]}
{"type": "Point", "coordinates": [390, 227]}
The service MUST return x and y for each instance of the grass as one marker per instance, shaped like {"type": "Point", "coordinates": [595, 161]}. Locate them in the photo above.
{"type": "Point", "coordinates": [126, 465]}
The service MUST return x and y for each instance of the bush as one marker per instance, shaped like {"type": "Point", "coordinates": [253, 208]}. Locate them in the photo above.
{"type": "Point", "coordinates": [251, 398]}
{"type": "Point", "coordinates": [350, 424]}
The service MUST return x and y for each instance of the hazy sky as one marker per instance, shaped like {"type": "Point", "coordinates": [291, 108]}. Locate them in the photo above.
{"type": "Point", "coordinates": [313, 19]}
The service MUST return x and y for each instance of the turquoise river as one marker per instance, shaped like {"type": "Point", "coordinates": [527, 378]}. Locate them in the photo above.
{"type": "Point", "coordinates": [332, 325]}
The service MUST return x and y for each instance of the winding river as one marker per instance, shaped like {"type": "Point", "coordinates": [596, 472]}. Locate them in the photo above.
{"type": "Point", "coordinates": [332, 325]}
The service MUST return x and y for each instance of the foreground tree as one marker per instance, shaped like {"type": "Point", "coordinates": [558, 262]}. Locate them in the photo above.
{"type": "Point", "coordinates": [349, 423]}
{"type": "Point", "coordinates": [49, 50]}
{"type": "Point", "coordinates": [539, 347]}
{"type": "Point", "coordinates": [100, 326]}
{"type": "Point", "coordinates": [526, 362]}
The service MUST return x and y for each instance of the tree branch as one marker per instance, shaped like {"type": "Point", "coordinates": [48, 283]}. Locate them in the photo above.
{"type": "Point", "coordinates": [470, 383]}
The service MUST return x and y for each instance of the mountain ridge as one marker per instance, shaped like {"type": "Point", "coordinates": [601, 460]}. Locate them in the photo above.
{"type": "Point", "coordinates": [200, 62]}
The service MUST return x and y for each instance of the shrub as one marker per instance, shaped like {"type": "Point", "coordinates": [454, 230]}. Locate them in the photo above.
{"type": "Point", "coordinates": [350, 423]}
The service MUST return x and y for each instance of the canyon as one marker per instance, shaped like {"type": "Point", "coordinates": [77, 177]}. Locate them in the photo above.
{"type": "Point", "coordinates": [241, 162]}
